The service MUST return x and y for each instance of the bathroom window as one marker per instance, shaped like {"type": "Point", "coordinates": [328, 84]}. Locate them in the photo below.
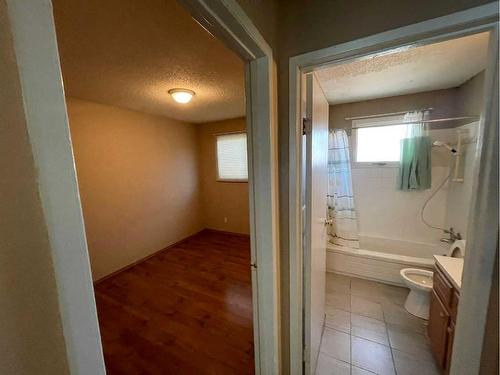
{"type": "Point", "coordinates": [376, 141]}
{"type": "Point", "coordinates": [232, 163]}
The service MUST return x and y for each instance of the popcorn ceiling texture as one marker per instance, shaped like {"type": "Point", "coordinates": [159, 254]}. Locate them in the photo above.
{"type": "Point", "coordinates": [431, 67]}
{"type": "Point", "coordinates": [129, 53]}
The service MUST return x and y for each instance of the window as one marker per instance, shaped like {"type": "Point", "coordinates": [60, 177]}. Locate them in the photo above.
{"type": "Point", "coordinates": [232, 157]}
{"type": "Point", "coordinates": [377, 141]}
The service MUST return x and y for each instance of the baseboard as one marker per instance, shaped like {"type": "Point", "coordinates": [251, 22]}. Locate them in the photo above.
{"type": "Point", "coordinates": [114, 273]}
{"type": "Point", "coordinates": [227, 232]}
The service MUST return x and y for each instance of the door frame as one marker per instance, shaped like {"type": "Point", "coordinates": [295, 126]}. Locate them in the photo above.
{"type": "Point", "coordinates": [476, 290]}
{"type": "Point", "coordinates": [37, 57]}
{"type": "Point", "coordinates": [311, 357]}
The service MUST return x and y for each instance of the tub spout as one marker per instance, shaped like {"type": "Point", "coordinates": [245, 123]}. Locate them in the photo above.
{"type": "Point", "coordinates": [453, 236]}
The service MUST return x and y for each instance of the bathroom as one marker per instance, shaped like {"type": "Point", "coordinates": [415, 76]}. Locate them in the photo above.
{"type": "Point", "coordinates": [402, 148]}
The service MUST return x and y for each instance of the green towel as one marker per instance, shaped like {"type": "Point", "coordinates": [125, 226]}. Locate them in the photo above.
{"type": "Point", "coordinates": [415, 164]}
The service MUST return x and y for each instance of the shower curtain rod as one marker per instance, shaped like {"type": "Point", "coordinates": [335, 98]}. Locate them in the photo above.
{"type": "Point", "coordinates": [387, 114]}
{"type": "Point", "coordinates": [413, 122]}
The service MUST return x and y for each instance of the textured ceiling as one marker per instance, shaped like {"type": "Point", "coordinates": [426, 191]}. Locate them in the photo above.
{"type": "Point", "coordinates": [431, 67]}
{"type": "Point", "coordinates": [129, 53]}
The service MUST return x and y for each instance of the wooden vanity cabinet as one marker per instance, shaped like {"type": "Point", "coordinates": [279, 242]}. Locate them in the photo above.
{"type": "Point", "coordinates": [442, 318]}
{"type": "Point", "coordinates": [438, 325]}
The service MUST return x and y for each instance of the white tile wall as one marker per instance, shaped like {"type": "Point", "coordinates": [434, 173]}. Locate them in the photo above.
{"type": "Point", "coordinates": [460, 193]}
{"type": "Point", "coordinates": [383, 211]}
{"type": "Point", "coordinates": [387, 213]}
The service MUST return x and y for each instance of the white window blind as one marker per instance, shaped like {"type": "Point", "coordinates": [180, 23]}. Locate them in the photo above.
{"type": "Point", "coordinates": [232, 157]}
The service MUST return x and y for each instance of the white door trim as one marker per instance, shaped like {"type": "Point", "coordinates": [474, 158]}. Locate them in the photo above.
{"type": "Point", "coordinates": [473, 20]}
{"type": "Point", "coordinates": [45, 108]}
{"type": "Point", "coordinates": [226, 20]}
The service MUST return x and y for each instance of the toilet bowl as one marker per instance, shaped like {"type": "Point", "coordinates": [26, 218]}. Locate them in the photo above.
{"type": "Point", "coordinates": [420, 283]}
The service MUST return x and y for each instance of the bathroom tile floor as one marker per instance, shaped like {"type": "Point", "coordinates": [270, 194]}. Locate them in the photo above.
{"type": "Point", "coordinates": [368, 331]}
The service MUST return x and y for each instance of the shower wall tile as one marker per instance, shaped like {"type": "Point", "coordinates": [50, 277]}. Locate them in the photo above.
{"type": "Point", "coordinates": [387, 213]}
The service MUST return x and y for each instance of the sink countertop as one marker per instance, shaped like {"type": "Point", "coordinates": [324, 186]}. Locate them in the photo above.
{"type": "Point", "coordinates": [452, 267]}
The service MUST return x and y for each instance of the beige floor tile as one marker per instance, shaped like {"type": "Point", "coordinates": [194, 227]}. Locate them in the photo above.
{"type": "Point", "coordinates": [330, 366]}
{"type": "Point", "coordinates": [372, 356]}
{"type": "Point", "coordinates": [398, 316]}
{"type": "Point", "coordinates": [333, 287]}
{"type": "Point", "coordinates": [363, 285]}
{"type": "Point", "coordinates": [338, 319]}
{"type": "Point", "coordinates": [367, 323]}
{"type": "Point", "coordinates": [369, 328]}
{"type": "Point", "coordinates": [367, 289]}
{"type": "Point", "coordinates": [337, 279]}
{"type": "Point", "coordinates": [378, 337]}
{"type": "Point", "coordinates": [338, 300]}
{"type": "Point", "coordinates": [394, 294]}
{"type": "Point", "coordinates": [411, 343]}
{"type": "Point", "coordinates": [362, 306]}
{"type": "Point", "coordinates": [359, 371]}
{"type": "Point", "coordinates": [336, 344]}
{"type": "Point", "coordinates": [407, 364]}
{"type": "Point", "coordinates": [337, 283]}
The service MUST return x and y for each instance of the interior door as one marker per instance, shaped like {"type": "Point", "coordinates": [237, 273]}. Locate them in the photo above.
{"type": "Point", "coordinates": [316, 180]}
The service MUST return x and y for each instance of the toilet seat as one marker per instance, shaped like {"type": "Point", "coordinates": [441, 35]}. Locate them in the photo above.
{"type": "Point", "coordinates": [418, 278]}
{"type": "Point", "coordinates": [420, 283]}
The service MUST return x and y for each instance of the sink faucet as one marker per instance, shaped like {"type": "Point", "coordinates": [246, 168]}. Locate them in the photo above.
{"type": "Point", "coordinates": [453, 236]}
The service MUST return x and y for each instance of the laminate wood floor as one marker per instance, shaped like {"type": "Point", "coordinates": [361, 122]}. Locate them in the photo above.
{"type": "Point", "coordinates": [187, 310]}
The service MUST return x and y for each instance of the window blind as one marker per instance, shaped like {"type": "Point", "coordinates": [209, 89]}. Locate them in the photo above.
{"type": "Point", "coordinates": [232, 157]}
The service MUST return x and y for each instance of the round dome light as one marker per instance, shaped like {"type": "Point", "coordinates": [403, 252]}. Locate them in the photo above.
{"type": "Point", "coordinates": [181, 95]}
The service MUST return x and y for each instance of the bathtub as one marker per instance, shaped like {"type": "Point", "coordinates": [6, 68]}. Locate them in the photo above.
{"type": "Point", "coordinates": [383, 266]}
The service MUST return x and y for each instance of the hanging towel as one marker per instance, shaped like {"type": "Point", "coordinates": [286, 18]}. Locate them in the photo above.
{"type": "Point", "coordinates": [415, 164]}
{"type": "Point", "coordinates": [415, 161]}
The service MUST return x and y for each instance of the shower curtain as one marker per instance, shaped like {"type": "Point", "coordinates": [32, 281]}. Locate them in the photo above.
{"type": "Point", "coordinates": [344, 229]}
{"type": "Point", "coordinates": [415, 162]}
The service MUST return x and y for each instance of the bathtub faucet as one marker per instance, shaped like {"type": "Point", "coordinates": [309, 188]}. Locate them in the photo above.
{"type": "Point", "coordinates": [454, 236]}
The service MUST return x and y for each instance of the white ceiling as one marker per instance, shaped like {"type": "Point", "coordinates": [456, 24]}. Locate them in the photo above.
{"type": "Point", "coordinates": [129, 53]}
{"type": "Point", "coordinates": [431, 67]}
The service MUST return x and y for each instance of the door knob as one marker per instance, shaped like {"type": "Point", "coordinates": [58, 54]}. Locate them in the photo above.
{"type": "Point", "coordinates": [328, 221]}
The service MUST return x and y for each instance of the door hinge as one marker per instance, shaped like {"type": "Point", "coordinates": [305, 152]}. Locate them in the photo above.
{"type": "Point", "coordinates": [305, 354]}
{"type": "Point", "coordinates": [253, 265]}
{"type": "Point", "coordinates": [306, 126]}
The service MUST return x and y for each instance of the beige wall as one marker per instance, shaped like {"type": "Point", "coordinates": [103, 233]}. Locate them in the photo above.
{"type": "Point", "coordinates": [464, 100]}
{"type": "Point", "coordinates": [443, 102]}
{"type": "Point", "coordinates": [31, 338]}
{"type": "Point", "coordinates": [470, 96]}
{"type": "Point", "coordinates": [138, 180]}
{"type": "Point", "coordinates": [263, 14]}
{"type": "Point", "coordinates": [148, 181]}
{"type": "Point", "coordinates": [221, 199]}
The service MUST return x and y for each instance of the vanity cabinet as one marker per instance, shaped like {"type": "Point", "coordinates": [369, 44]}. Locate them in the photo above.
{"type": "Point", "coordinates": [442, 318]}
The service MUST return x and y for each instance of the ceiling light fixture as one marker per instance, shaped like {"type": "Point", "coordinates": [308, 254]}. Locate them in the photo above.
{"type": "Point", "coordinates": [181, 95]}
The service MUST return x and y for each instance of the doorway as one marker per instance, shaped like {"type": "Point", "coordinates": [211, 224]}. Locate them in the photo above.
{"type": "Point", "coordinates": [316, 64]}
{"type": "Point", "coordinates": [42, 89]}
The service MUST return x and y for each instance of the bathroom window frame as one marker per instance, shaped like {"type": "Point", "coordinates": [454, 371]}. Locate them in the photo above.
{"type": "Point", "coordinates": [373, 123]}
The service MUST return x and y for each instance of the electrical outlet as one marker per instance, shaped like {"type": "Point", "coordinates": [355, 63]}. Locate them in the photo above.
{"type": "Point", "coordinates": [225, 220]}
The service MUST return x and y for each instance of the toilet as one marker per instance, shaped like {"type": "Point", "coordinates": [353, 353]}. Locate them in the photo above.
{"type": "Point", "coordinates": [420, 283]}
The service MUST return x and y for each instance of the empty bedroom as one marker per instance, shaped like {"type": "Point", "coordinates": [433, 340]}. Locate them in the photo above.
{"type": "Point", "coordinates": [156, 108]}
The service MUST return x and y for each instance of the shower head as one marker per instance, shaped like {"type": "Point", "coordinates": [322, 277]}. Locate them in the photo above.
{"type": "Point", "coordinates": [446, 145]}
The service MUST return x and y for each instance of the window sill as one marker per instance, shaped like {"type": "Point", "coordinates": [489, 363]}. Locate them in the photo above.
{"type": "Point", "coordinates": [366, 165]}
{"type": "Point", "coordinates": [231, 181]}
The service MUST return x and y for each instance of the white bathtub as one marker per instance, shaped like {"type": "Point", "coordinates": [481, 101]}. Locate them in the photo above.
{"type": "Point", "coordinates": [383, 266]}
